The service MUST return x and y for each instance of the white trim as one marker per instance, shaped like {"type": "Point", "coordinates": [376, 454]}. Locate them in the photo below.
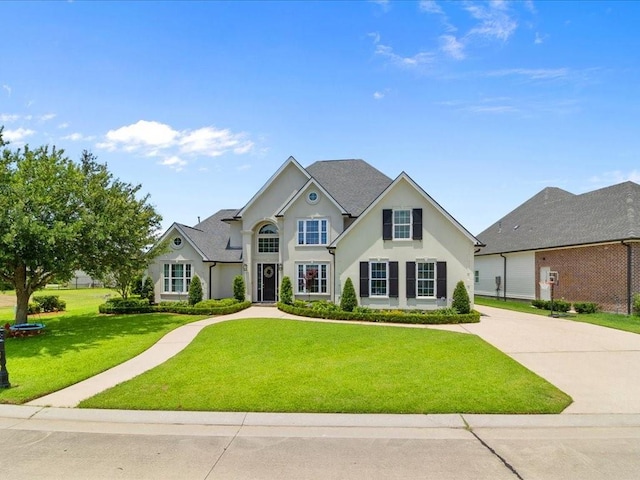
{"type": "Point", "coordinates": [386, 279]}
{"type": "Point", "coordinates": [427, 197]}
{"type": "Point", "coordinates": [327, 278]}
{"type": "Point", "coordinates": [305, 232]}
{"type": "Point", "coordinates": [303, 190]}
{"type": "Point", "coordinates": [288, 162]}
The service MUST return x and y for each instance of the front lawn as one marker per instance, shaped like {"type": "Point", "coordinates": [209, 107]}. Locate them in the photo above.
{"type": "Point", "coordinates": [77, 344]}
{"type": "Point", "coordinates": [273, 365]}
{"type": "Point", "coordinates": [628, 323]}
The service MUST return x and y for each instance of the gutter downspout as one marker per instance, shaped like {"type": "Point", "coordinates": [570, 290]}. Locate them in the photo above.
{"type": "Point", "coordinates": [332, 252]}
{"type": "Point", "coordinates": [629, 276]}
{"type": "Point", "coordinates": [210, 277]}
{"type": "Point", "coordinates": [504, 281]}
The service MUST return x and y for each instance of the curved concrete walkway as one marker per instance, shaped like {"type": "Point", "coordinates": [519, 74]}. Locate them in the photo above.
{"type": "Point", "coordinates": [596, 366]}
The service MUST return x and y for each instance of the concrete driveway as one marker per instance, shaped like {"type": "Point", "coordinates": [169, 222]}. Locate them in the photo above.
{"type": "Point", "coordinates": [598, 367]}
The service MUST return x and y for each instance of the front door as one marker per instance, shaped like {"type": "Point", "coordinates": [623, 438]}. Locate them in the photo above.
{"type": "Point", "coordinates": [267, 282]}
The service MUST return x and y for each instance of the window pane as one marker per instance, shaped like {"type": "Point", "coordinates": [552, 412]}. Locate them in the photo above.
{"type": "Point", "coordinates": [425, 278]}
{"type": "Point", "coordinates": [313, 232]}
{"type": "Point", "coordinates": [378, 273]}
{"type": "Point", "coordinates": [402, 224]}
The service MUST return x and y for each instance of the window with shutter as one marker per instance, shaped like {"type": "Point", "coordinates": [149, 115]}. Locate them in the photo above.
{"type": "Point", "coordinates": [364, 279]}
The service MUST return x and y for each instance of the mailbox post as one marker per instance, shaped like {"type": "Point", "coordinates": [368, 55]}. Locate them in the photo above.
{"type": "Point", "coordinates": [4, 375]}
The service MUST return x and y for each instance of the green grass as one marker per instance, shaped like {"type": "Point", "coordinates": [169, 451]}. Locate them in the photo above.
{"type": "Point", "coordinates": [271, 365]}
{"type": "Point", "coordinates": [77, 344]}
{"type": "Point", "coordinates": [628, 323]}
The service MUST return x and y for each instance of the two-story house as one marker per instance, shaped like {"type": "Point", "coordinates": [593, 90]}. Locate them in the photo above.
{"type": "Point", "coordinates": [321, 225]}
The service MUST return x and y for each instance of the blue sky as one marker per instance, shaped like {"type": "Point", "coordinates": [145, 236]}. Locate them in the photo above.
{"type": "Point", "coordinates": [482, 103]}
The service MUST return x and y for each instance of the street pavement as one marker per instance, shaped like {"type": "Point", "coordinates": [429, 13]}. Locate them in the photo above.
{"type": "Point", "coordinates": [597, 437]}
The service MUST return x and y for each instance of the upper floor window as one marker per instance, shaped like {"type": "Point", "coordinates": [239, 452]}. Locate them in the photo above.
{"type": "Point", "coordinates": [268, 241]}
{"type": "Point", "coordinates": [313, 232]}
{"type": "Point", "coordinates": [177, 277]}
{"type": "Point", "coordinates": [402, 224]}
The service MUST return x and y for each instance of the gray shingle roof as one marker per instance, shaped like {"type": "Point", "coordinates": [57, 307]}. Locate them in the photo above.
{"type": "Point", "coordinates": [354, 184]}
{"type": "Point", "coordinates": [556, 218]}
{"type": "Point", "coordinates": [211, 236]}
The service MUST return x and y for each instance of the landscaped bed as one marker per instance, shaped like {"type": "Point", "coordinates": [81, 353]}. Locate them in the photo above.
{"type": "Point", "coordinates": [274, 365]}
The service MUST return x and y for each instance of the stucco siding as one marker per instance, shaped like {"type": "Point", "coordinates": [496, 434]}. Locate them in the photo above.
{"type": "Point", "coordinates": [442, 241]}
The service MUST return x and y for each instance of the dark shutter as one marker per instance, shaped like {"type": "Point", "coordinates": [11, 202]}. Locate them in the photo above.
{"type": "Point", "coordinates": [441, 280]}
{"type": "Point", "coordinates": [417, 224]}
{"type": "Point", "coordinates": [387, 224]}
{"type": "Point", "coordinates": [364, 279]}
{"type": "Point", "coordinates": [411, 279]}
{"type": "Point", "coordinates": [393, 279]}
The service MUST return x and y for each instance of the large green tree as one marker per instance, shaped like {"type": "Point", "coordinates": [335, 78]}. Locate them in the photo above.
{"type": "Point", "coordinates": [57, 216]}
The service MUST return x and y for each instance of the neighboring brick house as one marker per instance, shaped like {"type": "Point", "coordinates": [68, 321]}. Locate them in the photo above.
{"type": "Point", "coordinates": [591, 240]}
{"type": "Point", "coordinates": [320, 225]}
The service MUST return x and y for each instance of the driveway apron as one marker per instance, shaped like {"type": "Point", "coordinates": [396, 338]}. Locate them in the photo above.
{"type": "Point", "coordinates": [598, 367]}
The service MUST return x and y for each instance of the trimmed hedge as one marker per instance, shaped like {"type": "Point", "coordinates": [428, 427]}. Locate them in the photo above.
{"type": "Point", "coordinates": [558, 305]}
{"type": "Point", "coordinates": [49, 303]}
{"type": "Point", "coordinates": [586, 307]}
{"type": "Point", "coordinates": [395, 316]}
{"type": "Point", "coordinates": [207, 307]}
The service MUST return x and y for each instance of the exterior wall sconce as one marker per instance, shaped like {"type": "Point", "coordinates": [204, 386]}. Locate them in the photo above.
{"type": "Point", "coordinates": [244, 267]}
{"type": "Point", "coordinates": [279, 267]}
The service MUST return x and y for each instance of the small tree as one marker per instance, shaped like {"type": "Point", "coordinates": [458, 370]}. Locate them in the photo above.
{"type": "Point", "coordinates": [137, 285]}
{"type": "Point", "coordinates": [286, 291]}
{"type": "Point", "coordinates": [195, 290]}
{"type": "Point", "coordinates": [238, 288]}
{"type": "Point", "coordinates": [461, 301]}
{"type": "Point", "coordinates": [349, 300]}
{"type": "Point", "coordinates": [147, 290]}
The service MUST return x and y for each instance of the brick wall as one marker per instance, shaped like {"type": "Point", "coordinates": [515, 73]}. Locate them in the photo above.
{"type": "Point", "coordinates": [592, 274]}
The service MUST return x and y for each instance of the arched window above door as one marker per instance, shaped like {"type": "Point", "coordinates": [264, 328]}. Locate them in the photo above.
{"type": "Point", "coordinates": [268, 241]}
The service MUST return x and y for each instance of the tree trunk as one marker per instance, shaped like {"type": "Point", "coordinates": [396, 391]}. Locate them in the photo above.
{"type": "Point", "coordinates": [23, 292]}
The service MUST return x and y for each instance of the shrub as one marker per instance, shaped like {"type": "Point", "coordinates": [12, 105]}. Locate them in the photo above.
{"type": "Point", "coordinates": [129, 305]}
{"type": "Point", "coordinates": [586, 307]}
{"type": "Point", "coordinates": [286, 291]}
{"type": "Point", "coordinates": [33, 308]}
{"type": "Point", "coordinates": [50, 303]}
{"type": "Point", "coordinates": [223, 302]}
{"type": "Point", "coordinates": [195, 290]}
{"type": "Point", "coordinates": [349, 300]}
{"type": "Point", "coordinates": [137, 285]}
{"type": "Point", "coordinates": [371, 315]}
{"type": "Point", "coordinates": [147, 290]}
{"type": "Point", "coordinates": [560, 306]}
{"type": "Point", "coordinates": [324, 306]}
{"type": "Point", "coordinates": [238, 288]}
{"type": "Point", "coordinates": [540, 304]}
{"type": "Point", "coordinates": [636, 304]}
{"type": "Point", "coordinates": [461, 302]}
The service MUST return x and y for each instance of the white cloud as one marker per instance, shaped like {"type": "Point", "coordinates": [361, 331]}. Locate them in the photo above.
{"type": "Point", "coordinates": [7, 118]}
{"type": "Point", "coordinates": [384, 4]}
{"type": "Point", "coordinates": [140, 135]}
{"type": "Point", "coordinates": [174, 162]}
{"type": "Point", "coordinates": [76, 137]}
{"type": "Point", "coordinates": [421, 58]}
{"type": "Point", "coordinates": [63, 125]}
{"type": "Point", "coordinates": [155, 139]}
{"type": "Point", "coordinates": [213, 142]}
{"type": "Point", "coordinates": [452, 47]}
{"type": "Point", "coordinates": [616, 176]}
{"type": "Point", "coordinates": [532, 73]}
{"type": "Point", "coordinates": [7, 89]}
{"type": "Point", "coordinates": [495, 20]}
{"type": "Point", "coordinates": [17, 135]}
{"type": "Point", "coordinates": [378, 95]}
{"type": "Point", "coordinates": [430, 6]}
{"type": "Point", "coordinates": [46, 117]}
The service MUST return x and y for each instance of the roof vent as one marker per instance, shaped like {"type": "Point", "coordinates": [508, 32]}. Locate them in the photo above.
{"type": "Point", "coordinates": [516, 227]}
